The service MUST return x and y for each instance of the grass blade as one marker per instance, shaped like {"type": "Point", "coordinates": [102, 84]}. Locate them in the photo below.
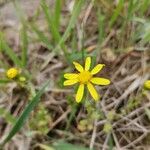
{"type": "Point", "coordinates": [4, 81]}
{"type": "Point", "coordinates": [51, 24]}
{"type": "Point", "coordinates": [57, 13]}
{"type": "Point", "coordinates": [116, 13]}
{"type": "Point", "coordinates": [9, 52]}
{"type": "Point", "coordinates": [41, 36]}
{"type": "Point", "coordinates": [20, 122]}
{"type": "Point", "coordinates": [24, 38]}
{"type": "Point", "coordinates": [73, 19]}
{"type": "Point", "coordinates": [144, 6]}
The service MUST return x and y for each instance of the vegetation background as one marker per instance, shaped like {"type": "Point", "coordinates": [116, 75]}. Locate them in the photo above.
{"type": "Point", "coordinates": [42, 38]}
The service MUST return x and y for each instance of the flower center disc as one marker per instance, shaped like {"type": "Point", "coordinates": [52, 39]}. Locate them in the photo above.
{"type": "Point", "coordinates": [84, 76]}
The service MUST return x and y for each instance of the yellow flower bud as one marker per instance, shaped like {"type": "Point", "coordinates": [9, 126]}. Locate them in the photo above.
{"type": "Point", "coordinates": [147, 84]}
{"type": "Point", "coordinates": [22, 79]}
{"type": "Point", "coordinates": [12, 73]}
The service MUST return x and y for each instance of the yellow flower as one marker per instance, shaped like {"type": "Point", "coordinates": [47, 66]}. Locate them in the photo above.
{"type": "Point", "coordinates": [12, 73]}
{"type": "Point", "coordinates": [147, 84]}
{"type": "Point", "coordinates": [85, 77]}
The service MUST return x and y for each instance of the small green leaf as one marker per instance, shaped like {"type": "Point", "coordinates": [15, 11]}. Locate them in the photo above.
{"type": "Point", "coordinates": [61, 145]}
{"type": "Point", "coordinates": [4, 81]}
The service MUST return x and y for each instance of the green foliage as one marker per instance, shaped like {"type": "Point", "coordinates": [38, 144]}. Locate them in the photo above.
{"type": "Point", "coordinates": [132, 104]}
{"type": "Point", "coordinates": [21, 121]}
{"type": "Point", "coordinates": [9, 52]}
{"type": "Point", "coordinates": [107, 127]}
{"type": "Point", "coordinates": [24, 45]}
{"type": "Point", "coordinates": [116, 13]}
{"type": "Point", "coordinates": [92, 112]}
{"type": "Point", "coordinates": [43, 118]}
{"type": "Point", "coordinates": [57, 13]}
{"type": "Point", "coordinates": [143, 31]}
{"type": "Point", "coordinates": [4, 81]}
{"type": "Point", "coordinates": [52, 25]}
{"type": "Point", "coordinates": [75, 13]}
{"type": "Point", "coordinates": [7, 116]}
{"type": "Point", "coordinates": [61, 145]}
{"type": "Point", "coordinates": [41, 36]}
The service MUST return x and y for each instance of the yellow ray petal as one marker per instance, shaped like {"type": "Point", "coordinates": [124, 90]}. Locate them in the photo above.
{"type": "Point", "coordinates": [93, 91]}
{"type": "Point", "coordinates": [70, 75]}
{"type": "Point", "coordinates": [87, 63]}
{"type": "Point", "coordinates": [97, 68]}
{"type": "Point", "coordinates": [100, 81]}
{"type": "Point", "coordinates": [78, 66]}
{"type": "Point", "coordinates": [70, 82]}
{"type": "Point", "coordinates": [80, 93]}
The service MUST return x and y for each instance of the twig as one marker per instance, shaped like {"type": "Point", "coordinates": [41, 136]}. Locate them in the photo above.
{"type": "Point", "coordinates": [93, 135]}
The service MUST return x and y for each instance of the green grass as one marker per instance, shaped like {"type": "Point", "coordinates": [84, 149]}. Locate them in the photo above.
{"type": "Point", "coordinates": [53, 26]}
{"type": "Point", "coordinates": [24, 46]}
{"type": "Point", "coordinates": [9, 52]}
{"type": "Point", "coordinates": [7, 116]}
{"type": "Point", "coordinates": [51, 21]}
{"type": "Point", "coordinates": [116, 13]}
{"type": "Point", "coordinates": [21, 120]}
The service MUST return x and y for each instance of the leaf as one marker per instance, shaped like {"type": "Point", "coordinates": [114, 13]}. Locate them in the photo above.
{"type": "Point", "coordinates": [4, 81]}
{"type": "Point", "coordinates": [21, 121]}
{"type": "Point", "coordinates": [61, 145]}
